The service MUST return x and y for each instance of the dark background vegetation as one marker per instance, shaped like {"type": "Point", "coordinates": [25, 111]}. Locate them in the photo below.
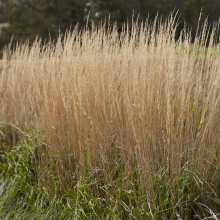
{"type": "Point", "coordinates": [28, 18]}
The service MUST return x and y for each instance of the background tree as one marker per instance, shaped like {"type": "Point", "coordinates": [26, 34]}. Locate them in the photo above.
{"type": "Point", "coordinates": [57, 15]}
{"type": "Point", "coordinates": [28, 18]}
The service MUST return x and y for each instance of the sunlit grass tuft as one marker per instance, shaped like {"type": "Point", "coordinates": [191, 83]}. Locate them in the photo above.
{"type": "Point", "coordinates": [109, 125]}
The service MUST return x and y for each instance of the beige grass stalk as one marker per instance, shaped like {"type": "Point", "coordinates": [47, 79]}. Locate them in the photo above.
{"type": "Point", "coordinates": [151, 98]}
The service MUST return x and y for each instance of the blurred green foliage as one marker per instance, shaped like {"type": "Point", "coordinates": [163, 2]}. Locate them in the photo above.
{"type": "Point", "coordinates": [47, 18]}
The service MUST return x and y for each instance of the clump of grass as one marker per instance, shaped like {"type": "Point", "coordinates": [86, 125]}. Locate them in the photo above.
{"type": "Point", "coordinates": [124, 125]}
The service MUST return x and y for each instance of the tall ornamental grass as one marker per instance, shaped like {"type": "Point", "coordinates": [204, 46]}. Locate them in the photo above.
{"type": "Point", "coordinates": [127, 123]}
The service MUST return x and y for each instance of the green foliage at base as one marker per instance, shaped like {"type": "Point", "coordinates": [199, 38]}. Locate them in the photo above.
{"type": "Point", "coordinates": [26, 192]}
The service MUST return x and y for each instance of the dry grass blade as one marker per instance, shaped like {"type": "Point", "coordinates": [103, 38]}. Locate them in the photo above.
{"type": "Point", "coordinates": [125, 104]}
